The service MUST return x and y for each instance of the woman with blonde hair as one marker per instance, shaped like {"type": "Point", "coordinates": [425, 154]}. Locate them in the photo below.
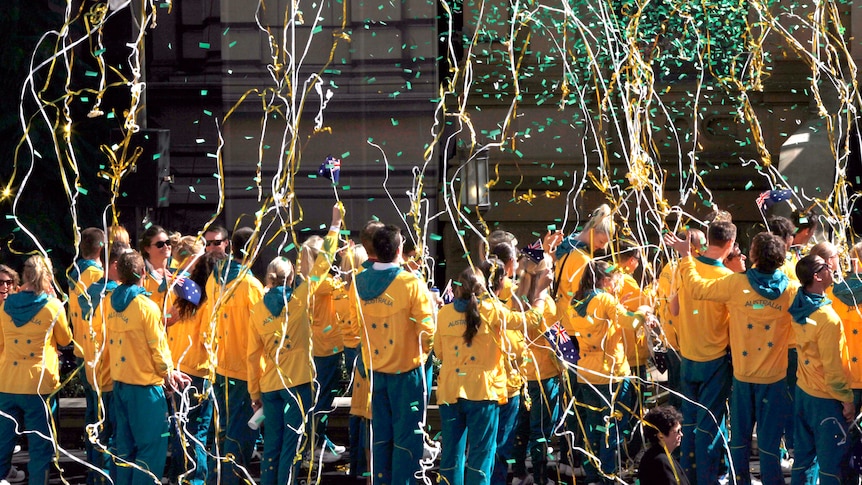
{"type": "Point", "coordinates": [598, 318]}
{"type": "Point", "coordinates": [32, 325]}
{"type": "Point", "coordinates": [280, 369]}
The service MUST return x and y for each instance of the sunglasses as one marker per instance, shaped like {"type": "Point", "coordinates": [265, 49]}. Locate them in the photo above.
{"type": "Point", "coordinates": [215, 242]}
{"type": "Point", "coordinates": [161, 244]}
{"type": "Point", "coordinates": [7, 282]}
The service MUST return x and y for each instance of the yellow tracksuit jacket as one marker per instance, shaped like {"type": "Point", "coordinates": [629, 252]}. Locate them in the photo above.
{"type": "Point", "coordinates": [600, 335]}
{"type": "Point", "coordinates": [137, 343]}
{"type": "Point", "coordinates": [395, 324]}
{"type": "Point", "coordinates": [29, 362]}
{"type": "Point", "coordinates": [704, 326]}
{"type": "Point", "coordinates": [759, 327]}
{"type": "Point", "coordinates": [476, 372]}
{"type": "Point", "coordinates": [279, 353]}
{"type": "Point", "coordinates": [824, 369]}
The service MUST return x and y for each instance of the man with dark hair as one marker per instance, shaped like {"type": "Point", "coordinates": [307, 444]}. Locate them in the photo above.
{"type": "Point", "coordinates": [216, 240]}
{"type": "Point", "coordinates": [757, 302]}
{"type": "Point", "coordinates": [705, 368]}
{"type": "Point", "coordinates": [235, 290]}
{"type": "Point", "coordinates": [397, 330]}
{"type": "Point", "coordinates": [366, 237]}
{"type": "Point", "coordinates": [824, 399]}
{"type": "Point", "coordinates": [86, 270]}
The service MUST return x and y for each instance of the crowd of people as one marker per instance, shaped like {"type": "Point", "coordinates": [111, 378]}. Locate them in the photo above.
{"type": "Point", "coordinates": [185, 353]}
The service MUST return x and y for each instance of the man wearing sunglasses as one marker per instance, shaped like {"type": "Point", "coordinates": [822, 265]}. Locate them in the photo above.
{"type": "Point", "coordinates": [215, 239]}
{"type": "Point", "coordinates": [823, 402]}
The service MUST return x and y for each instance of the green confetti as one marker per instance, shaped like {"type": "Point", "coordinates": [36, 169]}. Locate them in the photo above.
{"type": "Point", "coordinates": [204, 45]}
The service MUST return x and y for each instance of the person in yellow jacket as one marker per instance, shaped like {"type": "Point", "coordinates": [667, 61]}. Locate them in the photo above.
{"type": "Point", "coordinates": [96, 368]}
{"type": "Point", "coordinates": [397, 332]}
{"type": "Point", "coordinates": [824, 398]}
{"type": "Point", "coordinates": [667, 309]}
{"type": "Point", "coordinates": [757, 303]}
{"type": "Point", "coordinates": [86, 270]}
{"type": "Point", "coordinates": [280, 365]}
{"type": "Point", "coordinates": [156, 249]}
{"type": "Point", "coordinates": [190, 342]}
{"type": "Point", "coordinates": [786, 230]}
{"type": "Point", "coordinates": [350, 262]}
{"type": "Point", "coordinates": [140, 366]}
{"type": "Point", "coordinates": [542, 370]}
{"type": "Point", "coordinates": [597, 320]}
{"type": "Point", "coordinates": [233, 291]}
{"type": "Point", "coordinates": [704, 342]}
{"type": "Point", "coordinates": [473, 378]}
{"type": "Point", "coordinates": [32, 325]}
{"type": "Point", "coordinates": [514, 346]}
{"type": "Point", "coordinates": [846, 296]}
{"type": "Point", "coordinates": [327, 348]}
{"type": "Point", "coordinates": [571, 256]}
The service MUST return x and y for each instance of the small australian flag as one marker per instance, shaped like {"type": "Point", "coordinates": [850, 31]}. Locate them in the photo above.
{"type": "Point", "coordinates": [565, 347]}
{"type": "Point", "coordinates": [330, 169]}
{"type": "Point", "coordinates": [188, 290]}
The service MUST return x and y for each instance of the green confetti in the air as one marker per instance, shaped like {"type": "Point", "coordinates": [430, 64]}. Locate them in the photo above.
{"type": "Point", "coordinates": [204, 45]}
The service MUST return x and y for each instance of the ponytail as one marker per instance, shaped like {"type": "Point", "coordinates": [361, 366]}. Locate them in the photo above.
{"type": "Point", "coordinates": [472, 284]}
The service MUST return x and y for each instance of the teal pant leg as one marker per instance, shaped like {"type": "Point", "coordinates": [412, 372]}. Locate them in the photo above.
{"type": "Point", "coordinates": [822, 444]}
{"type": "Point", "coordinates": [188, 440]}
{"type": "Point", "coordinates": [453, 425]}
{"type": "Point", "coordinates": [236, 438]}
{"type": "Point", "coordinates": [285, 414]}
{"type": "Point", "coordinates": [30, 413]}
{"type": "Point", "coordinates": [142, 432]}
{"type": "Point", "coordinates": [765, 404]}
{"type": "Point", "coordinates": [397, 407]}
{"type": "Point", "coordinates": [476, 423]}
{"type": "Point", "coordinates": [505, 438]}
{"type": "Point", "coordinates": [706, 386]}
{"type": "Point", "coordinates": [329, 370]}
{"type": "Point", "coordinates": [544, 417]}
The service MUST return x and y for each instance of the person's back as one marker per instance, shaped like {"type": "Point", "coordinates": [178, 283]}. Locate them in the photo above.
{"type": "Point", "coordinates": [757, 302]}
{"type": "Point", "coordinates": [397, 332]}
{"type": "Point", "coordinates": [823, 398]}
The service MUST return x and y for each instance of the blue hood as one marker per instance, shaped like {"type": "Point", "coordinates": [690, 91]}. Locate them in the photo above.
{"type": "Point", "coordinates": [581, 306]}
{"type": "Point", "coordinates": [805, 304]}
{"type": "Point", "coordinates": [79, 267]}
{"type": "Point", "coordinates": [849, 291]}
{"type": "Point", "coordinates": [767, 285]}
{"type": "Point", "coordinates": [224, 273]}
{"type": "Point", "coordinates": [123, 295]}
{"type": "Point", "coordinates": [95, 291]}
{"type": "Point", "coordinates": [23, 306]}
{"type": "Point", "coordinates": [568, 245]}
{"type": "Point", "coordinates": [275, 298]}
{"type": "Point", "coordinates": [372, 282]}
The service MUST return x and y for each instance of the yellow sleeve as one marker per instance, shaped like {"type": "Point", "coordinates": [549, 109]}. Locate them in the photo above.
{"type": "Point", "coordinates": [62, 333]}
{"type": "Point", "coordinates": [831, 345]}
{"type": "Point", "coordinates": [719, 289]}
{"type": "Point", "coordinates": [157, 341]}
{"type": "Point", "coordinates": [317, 280]}
{"type": "Point", "coordinates": [423, 315]}
{"type": "Point", "coordinates": [255, 350]}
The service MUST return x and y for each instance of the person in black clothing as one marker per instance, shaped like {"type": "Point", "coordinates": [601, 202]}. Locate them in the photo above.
{"type": "Point", "coordinates": [663, 429]}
